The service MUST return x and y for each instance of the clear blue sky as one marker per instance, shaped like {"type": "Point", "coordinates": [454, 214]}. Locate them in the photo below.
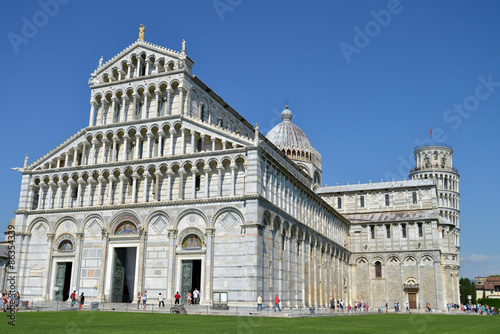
{"type": "Point", "coordinates": [364, 99]}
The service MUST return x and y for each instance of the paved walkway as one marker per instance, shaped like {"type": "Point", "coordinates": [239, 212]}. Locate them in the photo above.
{"type": "Point", "coordinates": [200, 309]}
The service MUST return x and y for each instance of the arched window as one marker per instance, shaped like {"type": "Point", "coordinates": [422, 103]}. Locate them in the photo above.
{"type": "Point", "coordinates": [387, 200]}
{"type": "Point", "coordinates": [362, 201]}
{"type": "Point", "coordinates": [339, 203]}
{"type": "Point", "coordinates": [200, 145]}
{"type": "Point", "coordinates": [372, 231]}
{"type": "Point", "coordinates": [202, 114]}
{"type": "Point", "coordinates": [378, 269]}
{"type": "Point", "coordinates": [198, 182]}
{"type": "Point", "coordinates": [403, 230]}
{"type": "Point", "coordinates": [414, 195]}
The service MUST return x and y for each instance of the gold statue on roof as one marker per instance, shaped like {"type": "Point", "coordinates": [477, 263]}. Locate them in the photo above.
{"type": "Point", "coordinates": [141, 32]}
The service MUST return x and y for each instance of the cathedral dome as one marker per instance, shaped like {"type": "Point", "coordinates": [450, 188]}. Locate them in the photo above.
{"type": "Point", "coordinates": [288, 135]}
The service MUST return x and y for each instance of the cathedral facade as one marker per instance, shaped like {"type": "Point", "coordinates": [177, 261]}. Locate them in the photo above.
{"type": "Point", "coordinates": [169, 189]}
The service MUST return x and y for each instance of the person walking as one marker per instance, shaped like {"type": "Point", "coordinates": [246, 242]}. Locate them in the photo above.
{"type": "Point", "coordinates": [259, 303]}
{"type": "Point", "coordinates": [189, 298]}
{"type": "Point", "coordinates": [73, 298]}
{"type": "Point", "coordinates": [160, 300]}
{"type": "Point", "coordinates": [82, 302]}
{"type": "Point", "coordinates": [138, 299]}
{"type": "Point", "coordinates": [196, 296]}
{"type": "Point", "coordinates": [144, 298]}
{"type": "Point", "coordinates": [277, 303]}
{"type": "Point", "coordinates": [177, 298]}
{"type": "Point", "coordinates": [332, 305]}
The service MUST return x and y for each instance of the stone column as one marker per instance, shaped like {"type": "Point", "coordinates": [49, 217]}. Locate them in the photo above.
{"type": "Point", "coordinates": [150, 136]}
{"type": "Point", "coordinates": [145, 111]}
{"type": "Point", "coordinates": [92, 111]}
{"type": "Point", "coordinates": [213, 144]}
{"type": "Point", "coordinates": [224, 143]}
{"type": "Point", "coordinates": [125, 101]}
{"type": "Point", "coordinates": [121, 197]}
{"type": "Point", "coordinates": [160, 141]}
{"type": "Point", "coordinates": [158, 175]}
{"type": "Point", "coordinates": [93, 152]}
{"type": "Point", "coordinates": [142, 256]}
{"type": "Point", "coordinates": [71, 185]}
{"type": "Point", "coordinates": [181, 100]}
{"type": "Point", "coordinates": [138, 138]}
{"type": "Point", "coordinates": [48, 265]}
{"type": "Point", "coordinates": [194, 171]}
{"type": "Point", "coordinates": [172, 132]}
{"type": "Point", "coordinates": [134, 106]}
{"type": "Point", "coordinates": [135, 176]}
{"type": "Point", "coordinates": [234, 169]}
{"type": "Point", "coordinates": [168, 111]}
{"type": "Point", "coordinates": [62, 185]}
{"type": "Point", "coordinates": [126, 138]}
{"type": "Point", "coordinates": [102, 271]}
{"type": "Point", "coordinates": [112, 179]}
{"type": "Point", "coordinates": [207, 171]}
{"type": "Point", "coordinates": [182, 172]}
{"type": "Point", "coordinates": [113, 153]}
{"type": "Point", "coordinates": [105, 142]}
{"type": "Point", "coordinates": [101, 180]}
{"type": "Point", "coordinates": [50, 194]}
{"type": "Point", "coordinates": [78, 261]}
{"type": "Point", "coordinates": [146, 176]}
{"type": "Point", "coordinates": [207, 294]}
{"type": "Point", "coordinates": [187, 110]}
{"type": "Point", "coordinates": [169, 184]}
{"type": "Point", "coordinates": [219, 182]}
{"type": "Point", "coordinates": [193, 144]}
{"type": "Point", "coordinates": [172, 238]}
{"type": "Point", "coordinates": [80, 182]}
{"type": "Point", "coordinates": [183, 140]}
{"type": "Point", "coordinates": [90, 184]}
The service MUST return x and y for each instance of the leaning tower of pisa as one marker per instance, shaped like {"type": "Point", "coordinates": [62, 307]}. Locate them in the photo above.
{"type": "Point", "coordinates": [436, 162]}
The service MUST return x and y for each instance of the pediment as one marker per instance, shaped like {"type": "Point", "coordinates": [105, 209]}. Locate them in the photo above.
{"type": "Point", "coordinates": [162, 59]}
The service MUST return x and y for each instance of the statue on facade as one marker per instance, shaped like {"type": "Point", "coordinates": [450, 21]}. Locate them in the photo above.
{"type": "Point", "coordinates": [100, 61]}
{"type": "Point", "coordinates": [141, 32]}
{"type": "Point", "coordinates": [26, 161]}
{"type": "Point", "coordinates": [183, 45]}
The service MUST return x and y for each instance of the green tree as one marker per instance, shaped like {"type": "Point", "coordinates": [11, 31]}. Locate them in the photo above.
{"type": "Point", "coordinates": [467, 287]}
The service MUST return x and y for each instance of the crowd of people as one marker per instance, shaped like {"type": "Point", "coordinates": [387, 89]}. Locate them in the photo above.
{"type": "Point", "coordinates": [7, 300]}
{"type": "Point", "coordinates": [473, 309]}
{"type": "Point", "coordinates": [191, 298]}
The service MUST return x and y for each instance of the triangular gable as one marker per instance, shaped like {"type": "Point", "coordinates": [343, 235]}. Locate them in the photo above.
{"type": "Point", "coordinates": [137, 48]}
{"type": "Point", "coordinates": [61, 148]}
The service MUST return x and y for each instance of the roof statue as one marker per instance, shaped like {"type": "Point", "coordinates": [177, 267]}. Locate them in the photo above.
{"type": "Point", "coordinates": [26, 161]}
{"type": "Point", "coordinates": [100, 61]}
{"type": "Point", "coordinates": [141, 32]}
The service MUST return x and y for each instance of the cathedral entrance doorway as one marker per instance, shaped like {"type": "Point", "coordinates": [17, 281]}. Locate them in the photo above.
{"type": "Point", "coordinates": [63, 280]}
{"type": "Point", "coordinates": [190, 277]}
{"type": "Point", "coordinates": [412, 300]}
{"type": "Point", "coordinates": [123, 279]}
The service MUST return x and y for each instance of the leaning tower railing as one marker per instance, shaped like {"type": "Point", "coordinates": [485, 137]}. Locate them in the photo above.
{"type": "Point", "coordinates": [434, 167]}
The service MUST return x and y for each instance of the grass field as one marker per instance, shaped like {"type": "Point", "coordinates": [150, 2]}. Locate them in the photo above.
{"type": "Point", "coordinates": [107, 322]}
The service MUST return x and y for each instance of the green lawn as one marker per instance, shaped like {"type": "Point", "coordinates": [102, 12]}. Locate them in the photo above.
{"type": "Point", "coordinates": [139, 323]}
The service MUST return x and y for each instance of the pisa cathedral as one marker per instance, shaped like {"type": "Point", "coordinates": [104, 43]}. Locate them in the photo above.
{"type": "Point", "coordinates": [170, 189]}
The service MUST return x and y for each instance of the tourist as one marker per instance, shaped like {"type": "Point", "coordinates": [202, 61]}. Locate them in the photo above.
{"type": "Point", "coordinates": [144, 298]}
{"type": "Point", "coordinates": [332, 305]}
{"type": "Point", "coordinates": [277, 303]}
{"type": "Point", "coordinates": [17, 297]}
{"type": "Point", "coordinates": [82, 301]}
{"type": "Point", "coordinates": [259, 303]}
{"type": "Point", "coordinates": [160, 300]}
{"type": "Point", "coordinates": [196, 296]}
{"type": "Point", "coordinates": [73, 298]}
{"type": "Point", "coordinates": [386, 308]}
{"type": "Point", "coordinates": [189, 298]}
{"type": "Point", "coordinates": [138, 299]}
{"type": "Point", "coordinates": [177, 298]}
{"type": "Point", "coordinates": [407, 308]}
